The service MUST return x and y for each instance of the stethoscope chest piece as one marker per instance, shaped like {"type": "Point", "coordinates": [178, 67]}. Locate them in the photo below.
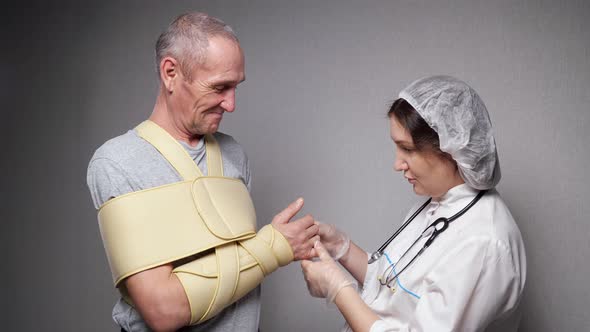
{"type": "Point", "coordinates": [436, 228]}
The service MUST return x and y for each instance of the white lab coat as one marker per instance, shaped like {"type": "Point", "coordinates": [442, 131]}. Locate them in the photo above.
{"type": "Point", "coordinates": [470, 279]}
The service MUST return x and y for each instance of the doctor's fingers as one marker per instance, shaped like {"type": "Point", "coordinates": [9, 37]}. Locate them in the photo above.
{"type": "Point", "coordinates": [305, 264]}
{"type": "Point", "coordinates": [310, 270]}
{"type": "Point", "coordinates": [318, 276]}
{"type": "Point", "coordinates": [321, 251]}
{"type": "Point", "coordinates": [326, 230]}
{"type": "Point", "coordinates": [311, 242]}
{"type": "Point", "coordinates": [309, 276]}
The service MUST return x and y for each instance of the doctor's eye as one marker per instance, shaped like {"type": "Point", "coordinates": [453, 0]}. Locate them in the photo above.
{"type": "Point", "coordinates": [405, 149]}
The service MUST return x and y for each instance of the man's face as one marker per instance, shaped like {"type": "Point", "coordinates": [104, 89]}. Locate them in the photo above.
{"type": "Point", "coordinates": [198, 106]}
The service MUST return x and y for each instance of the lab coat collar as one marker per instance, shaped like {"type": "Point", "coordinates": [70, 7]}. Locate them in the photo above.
{"type": "Point", "coordinates": [457, 193]}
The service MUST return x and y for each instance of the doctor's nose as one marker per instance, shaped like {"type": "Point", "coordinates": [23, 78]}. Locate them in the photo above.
{"type": "Point", "coordinates": [400, 165]}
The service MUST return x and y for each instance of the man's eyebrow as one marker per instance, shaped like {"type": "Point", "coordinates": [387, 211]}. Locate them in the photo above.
{"type": "Point", "coordinates": [228, 82]}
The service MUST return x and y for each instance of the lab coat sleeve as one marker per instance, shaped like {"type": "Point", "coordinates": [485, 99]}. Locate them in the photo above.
{"type": "Point", "coordinates": [468, 288]}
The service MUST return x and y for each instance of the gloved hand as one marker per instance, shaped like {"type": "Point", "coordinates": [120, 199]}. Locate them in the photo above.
{"type": "Point", "coordinates": [336, 242]}
{"type": "Point", "coordinates": [325, 278]}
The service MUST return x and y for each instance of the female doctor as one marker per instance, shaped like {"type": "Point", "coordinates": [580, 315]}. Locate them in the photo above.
{"type": "Point", "coordinates": [464, 273]}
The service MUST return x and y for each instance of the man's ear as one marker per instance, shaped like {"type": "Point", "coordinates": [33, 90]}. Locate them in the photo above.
{"type": "Point", "coordinates": [169, 72]}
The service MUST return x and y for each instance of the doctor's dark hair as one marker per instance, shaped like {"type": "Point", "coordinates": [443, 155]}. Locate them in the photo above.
{"type": "Point", "coordinates": [424, 137]}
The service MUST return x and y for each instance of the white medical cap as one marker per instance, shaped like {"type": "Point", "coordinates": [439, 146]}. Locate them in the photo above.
{"type": "Point", "coordinates": [460, 118]}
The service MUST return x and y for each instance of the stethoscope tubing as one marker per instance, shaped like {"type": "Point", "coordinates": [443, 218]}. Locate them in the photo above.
{"type": "Point", "coordinates": [377, 254]}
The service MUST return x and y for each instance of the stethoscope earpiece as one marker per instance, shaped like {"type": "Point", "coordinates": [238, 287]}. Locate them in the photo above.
{"type": "Point", "coordinates": [375, 256]}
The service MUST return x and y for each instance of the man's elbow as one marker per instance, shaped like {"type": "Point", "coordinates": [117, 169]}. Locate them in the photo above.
{"type": "Point", "coordinates": [162, 318]}
{"type": "Point", "coordinates": [159, 298]}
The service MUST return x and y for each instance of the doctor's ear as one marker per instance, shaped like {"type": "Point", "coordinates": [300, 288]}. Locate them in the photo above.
{"type": "Point", "coordinates": [169, 72]}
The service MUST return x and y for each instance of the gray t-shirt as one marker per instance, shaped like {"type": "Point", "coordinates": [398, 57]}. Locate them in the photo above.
{"type": "Point", "coordinates": [128, 163]}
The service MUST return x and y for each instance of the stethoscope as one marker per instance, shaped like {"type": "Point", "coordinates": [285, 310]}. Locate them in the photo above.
{"type": "Point", "coordinates": [431, 232]}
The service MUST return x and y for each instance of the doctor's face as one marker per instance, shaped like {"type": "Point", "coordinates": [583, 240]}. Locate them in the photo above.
{"type": "Point", "coordinates": [428, 171]}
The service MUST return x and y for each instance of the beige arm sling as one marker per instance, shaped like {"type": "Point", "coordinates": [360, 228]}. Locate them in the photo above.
{"type": "Point", "coordinates": [204, 223]}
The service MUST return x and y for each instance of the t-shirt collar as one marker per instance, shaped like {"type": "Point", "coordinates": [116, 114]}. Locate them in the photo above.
{"type": "Point", "coordinates": [194, 151]}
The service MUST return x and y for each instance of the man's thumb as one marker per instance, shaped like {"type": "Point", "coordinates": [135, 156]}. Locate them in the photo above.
{"type": "Point", "coordinates": [284, 216]}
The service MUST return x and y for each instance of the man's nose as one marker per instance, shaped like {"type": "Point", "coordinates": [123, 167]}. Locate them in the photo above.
{"type": "Point", "coordinates": [229, 100]}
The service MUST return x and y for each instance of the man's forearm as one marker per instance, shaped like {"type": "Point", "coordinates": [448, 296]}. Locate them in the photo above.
{"type": "Point", "coordinates": [160, 299]}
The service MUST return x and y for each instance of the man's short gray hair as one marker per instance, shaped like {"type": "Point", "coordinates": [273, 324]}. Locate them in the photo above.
{"type": "Point", "coordinates": [187, 40]}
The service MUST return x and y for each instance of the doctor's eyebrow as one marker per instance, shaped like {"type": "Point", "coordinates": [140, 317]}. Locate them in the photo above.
{"type": "Point", "coordinates": [402, 142]}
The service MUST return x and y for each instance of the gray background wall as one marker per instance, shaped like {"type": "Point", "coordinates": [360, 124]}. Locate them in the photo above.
{"type": "Point", "coordinates": [320, 75]}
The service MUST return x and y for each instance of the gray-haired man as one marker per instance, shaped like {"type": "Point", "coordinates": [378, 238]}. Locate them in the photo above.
{"type": "Point", "coordinates": [200, 63]}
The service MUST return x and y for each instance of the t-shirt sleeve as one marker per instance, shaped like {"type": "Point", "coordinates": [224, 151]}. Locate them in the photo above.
{"type": "Point", "coordinates": [464, 292]}
{"type": "Point", "coordinates": [106, 180]}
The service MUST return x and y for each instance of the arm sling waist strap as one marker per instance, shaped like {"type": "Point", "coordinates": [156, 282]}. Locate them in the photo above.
{"type": "Point", "coordinates": [203, 225]}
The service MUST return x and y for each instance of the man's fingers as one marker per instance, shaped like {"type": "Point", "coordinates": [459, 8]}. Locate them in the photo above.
{"type": "Point", "coordinates": [312, 231]}
{"type": "Point", "coordinates": [284, 216]}
{"type": "Point", "coordinates": [305, 222]}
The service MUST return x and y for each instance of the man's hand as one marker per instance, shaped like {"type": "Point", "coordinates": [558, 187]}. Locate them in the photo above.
{"type": "Point", "coordinates": [301, 233]}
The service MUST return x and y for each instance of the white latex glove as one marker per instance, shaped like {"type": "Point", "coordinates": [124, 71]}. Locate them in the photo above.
{"type": "Point", "coordinates": [324, 277]}
{"type": "Point", "coordinates": [336, 242]}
